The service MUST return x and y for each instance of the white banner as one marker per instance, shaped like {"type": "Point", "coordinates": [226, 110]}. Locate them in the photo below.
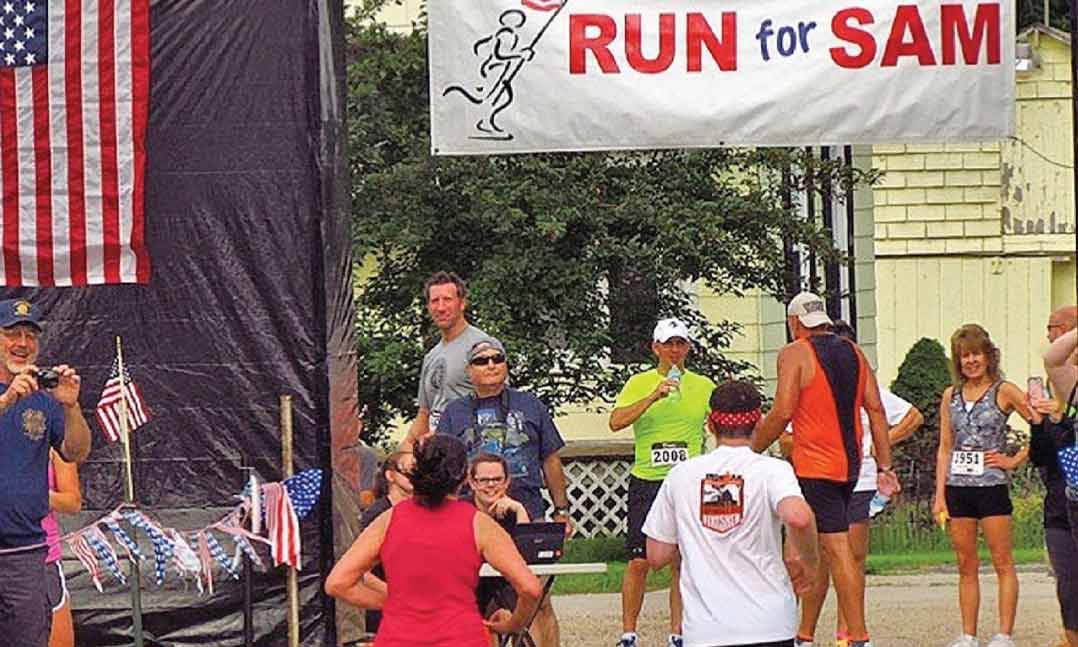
{"type": "Point", "coordinates": [512, 76]}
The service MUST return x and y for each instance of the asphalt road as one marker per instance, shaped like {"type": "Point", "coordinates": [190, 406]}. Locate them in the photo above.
{"type": "Point", "coordinates": [903, 611]}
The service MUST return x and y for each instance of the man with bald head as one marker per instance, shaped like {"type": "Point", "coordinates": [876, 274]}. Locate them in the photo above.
{"type": "Point", "coordinates": [1045, 441]}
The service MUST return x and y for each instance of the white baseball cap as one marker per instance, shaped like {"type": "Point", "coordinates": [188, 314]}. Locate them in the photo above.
{"type": "Point", "coordinates": [809, 310]}
{"type": "Point", "coordinates": [668, 328]}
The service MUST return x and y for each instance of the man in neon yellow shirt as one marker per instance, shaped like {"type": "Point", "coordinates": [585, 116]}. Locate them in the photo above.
{"type": "Point", "coordinates": [667, 408]}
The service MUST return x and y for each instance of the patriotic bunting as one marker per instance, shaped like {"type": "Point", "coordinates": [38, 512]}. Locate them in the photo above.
{"type": "Point", "coordinates": [195, 553]}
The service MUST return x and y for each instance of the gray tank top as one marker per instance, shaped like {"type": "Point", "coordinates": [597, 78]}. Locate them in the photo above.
{"type": "Point", "coordinates": [981, 428]}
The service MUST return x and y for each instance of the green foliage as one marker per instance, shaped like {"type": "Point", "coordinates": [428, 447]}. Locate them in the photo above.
{"type": "Point", "coordinates": [547, 242]}
{"type": "Point", "coordinates": [921, 380]}
{"type": "Point", "coordinates": [1031, 12]}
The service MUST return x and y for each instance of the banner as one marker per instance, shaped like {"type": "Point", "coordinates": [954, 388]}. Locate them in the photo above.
{"type": "Point", "coordinates": [514, 76]}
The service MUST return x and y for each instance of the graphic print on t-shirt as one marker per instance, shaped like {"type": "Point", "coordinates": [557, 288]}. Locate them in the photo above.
{"type": "Point", "coordinates": [722, 501]}
{"type": "Point", "coordinates": [506, 439]}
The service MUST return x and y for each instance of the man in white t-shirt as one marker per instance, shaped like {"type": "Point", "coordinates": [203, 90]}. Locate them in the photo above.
{"type": "Point", "coordinates": [723, 514]}
{"type": "Point", "coordinates": [903, 419]}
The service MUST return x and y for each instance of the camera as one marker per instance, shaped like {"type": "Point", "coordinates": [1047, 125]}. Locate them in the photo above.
{"type": "Point", "coordinates": [47, 378]}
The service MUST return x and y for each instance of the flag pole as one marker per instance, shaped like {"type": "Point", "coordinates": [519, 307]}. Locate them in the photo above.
{"type": "Point", "coordinates": [129, 496]}
{"type": "Point", "coordinates": [286, 468]}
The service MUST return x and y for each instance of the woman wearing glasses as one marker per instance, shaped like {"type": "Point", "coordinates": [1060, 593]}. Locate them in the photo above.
{"type": "Point", "coordinates": [489, 481]}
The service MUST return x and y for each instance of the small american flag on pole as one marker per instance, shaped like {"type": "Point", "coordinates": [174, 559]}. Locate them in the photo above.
{"type": "Point", "coordinates": [109, 408]}
{"type": "Point", "coordinates": [74, 106]}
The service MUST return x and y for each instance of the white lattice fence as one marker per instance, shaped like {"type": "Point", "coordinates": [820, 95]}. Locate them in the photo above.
{"type": "Point", "coordinates": [597, 491]}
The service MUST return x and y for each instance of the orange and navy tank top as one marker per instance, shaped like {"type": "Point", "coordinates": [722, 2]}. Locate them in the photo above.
{"type": "Point", "coordinates": [827, 423]}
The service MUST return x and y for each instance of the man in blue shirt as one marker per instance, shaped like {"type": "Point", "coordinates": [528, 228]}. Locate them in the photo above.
{"type": "Point", "coordinates": [518, 426]}
{"type": "Point", "coordinates": [33, 418]}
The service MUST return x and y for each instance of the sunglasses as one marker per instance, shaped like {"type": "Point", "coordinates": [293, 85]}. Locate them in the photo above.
{"type": "Point", "coordinates": [488, 359]}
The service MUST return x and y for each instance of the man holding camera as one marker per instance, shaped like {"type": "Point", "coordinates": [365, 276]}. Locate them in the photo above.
{"type": "Point", "coordinates": [39, 409]}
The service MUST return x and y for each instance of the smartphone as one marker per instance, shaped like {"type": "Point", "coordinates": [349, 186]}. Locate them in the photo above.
{"type": "Point", "coordinates": [1035, 388]}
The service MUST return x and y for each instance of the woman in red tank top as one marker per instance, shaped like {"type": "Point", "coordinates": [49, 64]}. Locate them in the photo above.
{"type": "Point", "coordinates": [431, 548]}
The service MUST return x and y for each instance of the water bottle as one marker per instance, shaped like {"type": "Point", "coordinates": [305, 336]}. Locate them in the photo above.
{"type": "Point", "coordinates": [674, 374]}
{"type": "Point", "coordinates": [877, 504]}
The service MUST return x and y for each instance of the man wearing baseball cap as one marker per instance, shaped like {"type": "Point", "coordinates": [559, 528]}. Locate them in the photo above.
{"type": "Point", "coordinates": [667, 407]}
{"type": "Point", "coordinates": [823, 383]}
{"type": "Point", "coordinates": [33, 418]}
{"type": "Point", "coordinates": [516, 425]}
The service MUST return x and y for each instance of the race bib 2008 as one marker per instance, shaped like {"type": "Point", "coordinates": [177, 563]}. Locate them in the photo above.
{"type": "Point", "coordinates": [666, 454]}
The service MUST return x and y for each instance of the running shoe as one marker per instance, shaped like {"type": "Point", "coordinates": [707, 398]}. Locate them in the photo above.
{"type": "Point", "coordinates": [627, 640]}
{"type": "Point", "coordinates": [842, 642]}
{"type": "Point", "coordinates": [964, 641]}
{"type": "Point", "coordinates": [1001, 640]}
{"type": "Point", "coordinates": [675, 641]}
{"type": "Point", "coordinates": [802, 643]}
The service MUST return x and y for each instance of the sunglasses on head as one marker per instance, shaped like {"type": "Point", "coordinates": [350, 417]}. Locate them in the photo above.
{"type": "Point", "coordinates": [488, 359]}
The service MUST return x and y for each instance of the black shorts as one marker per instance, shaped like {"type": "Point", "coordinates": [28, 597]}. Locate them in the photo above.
{"type": "Point", "coordinates": [641, 495]}
{"type": "Point", "coordinates": [26, 616]}
{"type": "Point", "coordinates": [965, 502]}
{"type": "Point", "coordinates": [858, 511]}
{"type": "Point", "coordinates": [830, 502]}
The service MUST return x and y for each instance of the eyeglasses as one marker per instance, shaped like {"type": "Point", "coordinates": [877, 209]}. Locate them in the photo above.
{"type": "Point", "coordinates": [488, 359]}
{"type": "Point", "coordinates": [490, 480]}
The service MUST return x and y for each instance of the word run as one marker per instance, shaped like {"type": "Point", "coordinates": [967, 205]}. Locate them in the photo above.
{"type": "Point", "coordinates": [690, 35]}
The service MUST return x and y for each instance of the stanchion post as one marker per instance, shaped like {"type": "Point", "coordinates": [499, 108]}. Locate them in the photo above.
{"type": "Point", "coordinates": [286, 468]}
{"type": "Point", "coordinates": [129, 496]}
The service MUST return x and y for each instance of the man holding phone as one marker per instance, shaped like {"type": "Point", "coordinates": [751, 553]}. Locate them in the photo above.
{"type": "Point", "coordinates": [1045, 440]}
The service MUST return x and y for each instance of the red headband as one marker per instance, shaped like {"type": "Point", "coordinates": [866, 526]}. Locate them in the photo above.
{"type": "Point", "coordinates": [738, 419]}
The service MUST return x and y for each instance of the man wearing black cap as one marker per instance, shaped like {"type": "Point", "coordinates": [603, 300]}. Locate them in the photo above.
{"type": "Point", "coordinates": [722, 514]}
{"type": "Point", "coordinates": [33, 418]}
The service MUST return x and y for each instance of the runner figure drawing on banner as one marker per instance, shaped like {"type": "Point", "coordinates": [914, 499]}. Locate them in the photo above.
{"type": "Point", "coordinates": [502, 56]}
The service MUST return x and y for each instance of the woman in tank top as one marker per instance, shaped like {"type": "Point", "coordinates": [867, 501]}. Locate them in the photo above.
{"type": "Point", "coordinates": [431, 548]}
{"type": "Point", "coordinates": [972, 475]}
{"type": "Point", "coordinates": [65, 496]}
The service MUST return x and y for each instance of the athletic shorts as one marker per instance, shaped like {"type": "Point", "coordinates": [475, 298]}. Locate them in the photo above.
{"type": "Point", "coordinates": [858, 512]}
{"type": "Point", "coordinates": [495, 593]}
{"type": "Point", "coordinates": [55, 585]}
{"type": "Point", "coordinates": [966, 502]}
{"type": "Point", "coordinates": [26, 617]}
{"type": "Point", "coordinates": [641, 495]}
{"type": "Point", "coordinates": [830, 502]}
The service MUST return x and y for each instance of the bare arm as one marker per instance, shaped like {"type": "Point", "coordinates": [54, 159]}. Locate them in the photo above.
{"type": "Point", "coordinates": [802, 556]}
{"type": "Point", "coordinates": [660, 553]}
{"type": "Point", "coordinates": [946, 444]}
{"type": "Point", "coordinates": [1062, 374]}
{"type": "Point", "coordinates": [346, 580]}
{"type": "Point", "coordinates": [787, 394]}
{"type": "Point", "coordinates": [419, 430]}
{"type": "Point", "coordinates": [906, 427]}
{"type": "Point", "coordinates": [499, 550]}
{"type": "Point", "coordinates": [877, 421]}
{"type": "Point", "coordinates": [623, 417]}
{"type": "Point", "coordinates": [67, 497]}
{"type": "Point", "coordinates": [76, 445]}
{"type": "Point", "coordinates": [1011, 398]}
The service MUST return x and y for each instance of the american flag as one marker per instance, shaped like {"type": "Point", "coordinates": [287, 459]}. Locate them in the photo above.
{"type": "Point", "coordinates": [282, 525]}
{"type": "Point", "coordinates": [74, 103]}
{"type": "Point", "coordinates": [109, 409]}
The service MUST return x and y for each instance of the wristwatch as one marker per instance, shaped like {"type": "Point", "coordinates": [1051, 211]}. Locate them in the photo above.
{"type": "Point", "coordinates": [559, 510]}
{"type": "Point", "coordinates": [886, 469]}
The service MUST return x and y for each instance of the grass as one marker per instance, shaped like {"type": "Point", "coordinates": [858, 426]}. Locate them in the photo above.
{"type": "Point", "coordinates": [904, 539]}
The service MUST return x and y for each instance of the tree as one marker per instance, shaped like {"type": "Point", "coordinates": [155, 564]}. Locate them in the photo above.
{"type": "Point", "coordinates": [568, 256]}
{"type": "Point", "coordinates": [1031, 12]}
{"type": "Point", "coordinates": [921, 380]}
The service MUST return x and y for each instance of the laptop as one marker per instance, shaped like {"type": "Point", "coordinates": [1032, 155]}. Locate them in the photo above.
{"type": "Point", "coordinates": [540, 543]}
